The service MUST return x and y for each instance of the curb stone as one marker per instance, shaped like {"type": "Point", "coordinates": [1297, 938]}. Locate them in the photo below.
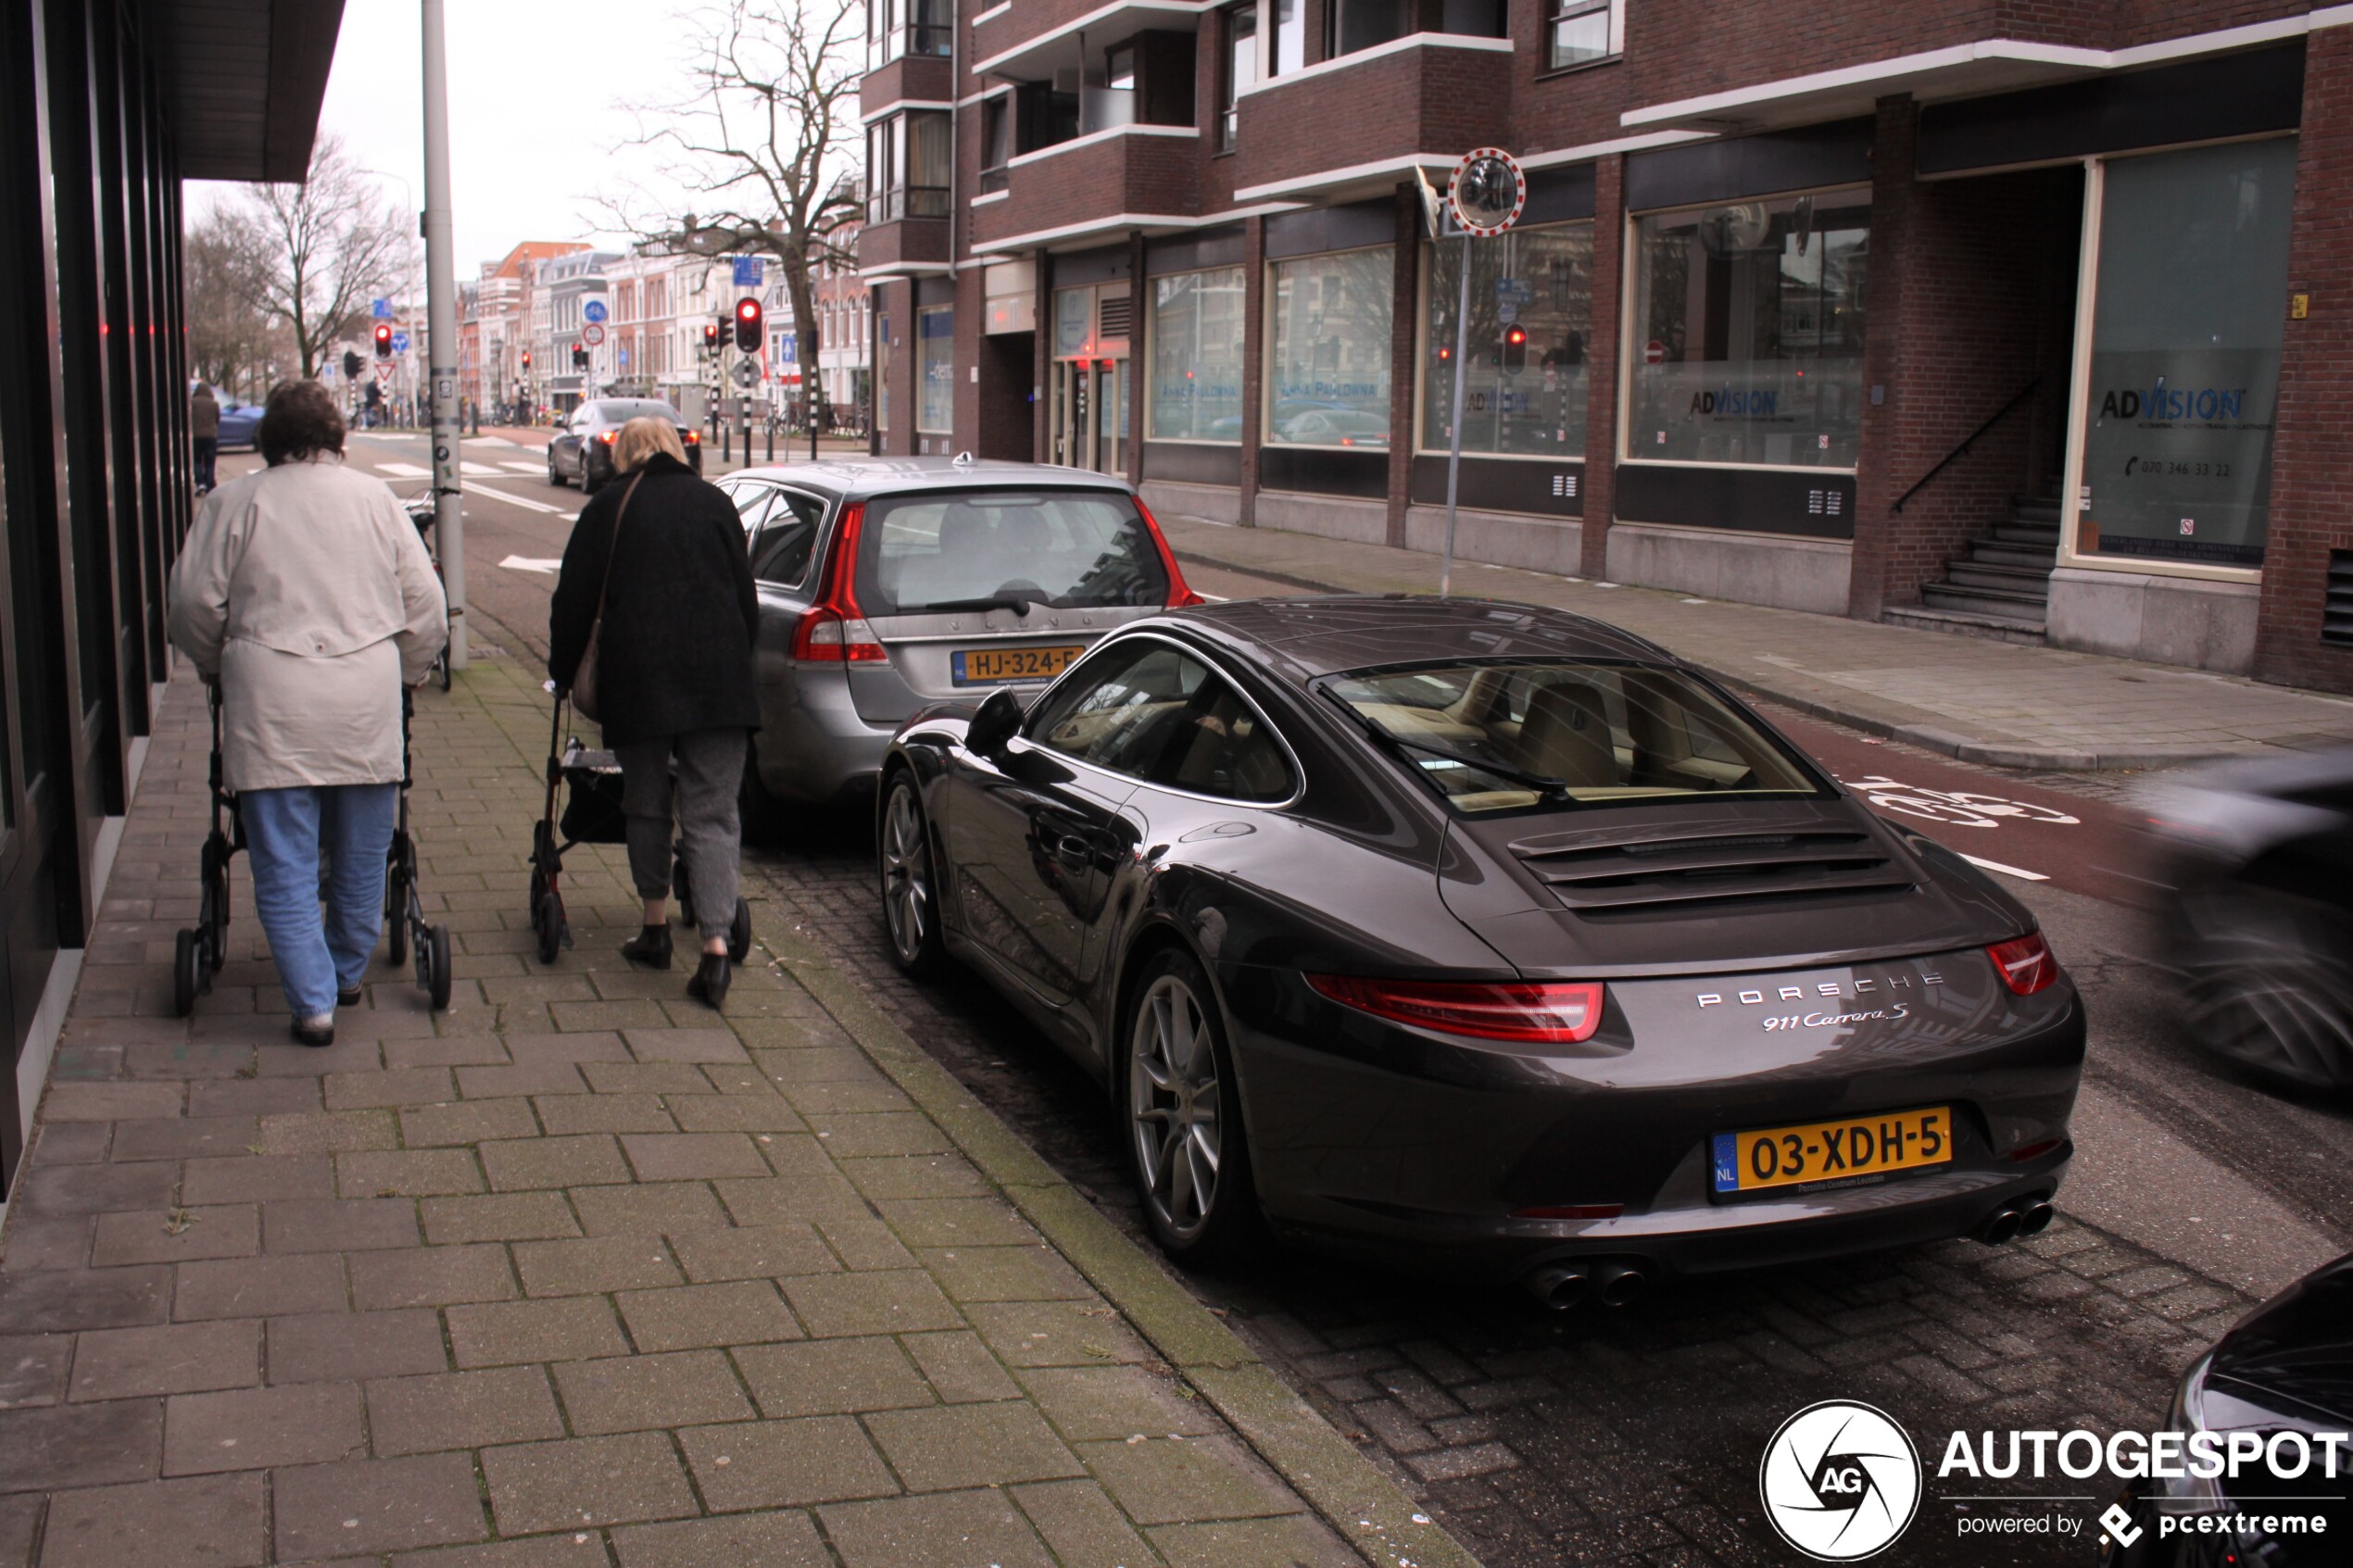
{"type": "Point", "coordinates": [1351, 1494]}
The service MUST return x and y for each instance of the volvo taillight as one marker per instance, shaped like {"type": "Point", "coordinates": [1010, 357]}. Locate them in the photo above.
{"type": "Point", "coordinates": [833, 632]}
{"type": "Point", "coordinates": [1536, 1012]}
{"type": "Point", "coordinates": [1179, 595]}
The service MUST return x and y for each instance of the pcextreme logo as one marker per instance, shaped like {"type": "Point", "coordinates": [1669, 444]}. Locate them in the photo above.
{"type": "Point", "coordinates": [1840, 1481]}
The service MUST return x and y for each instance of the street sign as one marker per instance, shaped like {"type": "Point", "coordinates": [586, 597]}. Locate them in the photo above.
{"type": "Point", "coordinates": [789, 347]}
{"type": "Point", "coordinates": [400, 342]}
{"type": "Point", "coordinates": [1507, 313]}
{"type": "Point", "coordinates": [592, 335]}
{"type": "Point", "coordinates": [593, 312]}
{"type": "Point", "coordinates": [624, 358]}
{"type": "Point", "coordinates": [1653, 353]}
{"type": "Point", "coordinates": [747, 372]}
{"type": "Point", "coordinates": [1487, 192]}
{"type": "Point", "coordinates": [749, 270]}
{"type": "Point", "coordinates": [383, 372]}
{"type": "Point", "coordinates": [381, 309]}
{"type": "Point", "coordinates": [1514, 291]}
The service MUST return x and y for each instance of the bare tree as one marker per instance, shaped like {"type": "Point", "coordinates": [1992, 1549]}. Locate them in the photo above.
{"type": "Point", "coordinates": [229, 331]}
{"type": "Point", "coordinates": [331, 243]}
{"type": "Point", "coordinates": [755, 144]}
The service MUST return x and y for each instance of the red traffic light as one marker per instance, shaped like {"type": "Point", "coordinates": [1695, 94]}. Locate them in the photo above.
{"type": "Point", "coordinates": [711, 335]}
{"type": "Point", "coordinates": [748, 325]}
{"type": "Point", "coordinates": [526, 358]}
{"type": "Point", "coordinates": [1517, 337]}
{"type": "Point", "coordinates": [383, 340]}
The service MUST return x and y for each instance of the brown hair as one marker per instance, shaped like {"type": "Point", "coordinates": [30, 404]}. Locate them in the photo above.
{"type": "Point", "coordinates": [300, 420]}
{"type": "Point", "coordinates": [640, 439]}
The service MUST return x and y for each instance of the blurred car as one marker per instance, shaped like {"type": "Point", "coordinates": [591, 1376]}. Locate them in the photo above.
{"type": "Point", "coordinates": [2253, 861]}
{"type": "Point", "coordinates": [238, 423]}
{"type": "Point", "coordinates": [1335, 427]}
{"type": "Point", "coordinates": [581, 450]}
{"type": "Point", "coordinates": [890, 585]}
{"type": "Point", "coordinates": [1486, 939]}
{"type": "Point", "coordinates": [2287, 1367]}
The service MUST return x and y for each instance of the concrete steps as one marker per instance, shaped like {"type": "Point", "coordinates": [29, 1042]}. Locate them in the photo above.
{"type": "Point", "coordinates": [2002, 587]}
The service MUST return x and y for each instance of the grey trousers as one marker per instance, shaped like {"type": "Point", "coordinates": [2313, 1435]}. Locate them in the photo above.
{"type": "Point", "coordinates": [709, 772]}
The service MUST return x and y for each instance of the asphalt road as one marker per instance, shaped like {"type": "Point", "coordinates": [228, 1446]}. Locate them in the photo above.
{"type": "Point", "coordinates": [1634, 1436]}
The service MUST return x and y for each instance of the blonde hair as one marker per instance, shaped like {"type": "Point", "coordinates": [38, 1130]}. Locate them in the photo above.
{"type": "Point", "coordinates": [640, 439]}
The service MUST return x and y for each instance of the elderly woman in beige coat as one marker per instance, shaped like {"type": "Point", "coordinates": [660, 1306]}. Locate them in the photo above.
{"type": "Point", "coordinates": [305, 593]}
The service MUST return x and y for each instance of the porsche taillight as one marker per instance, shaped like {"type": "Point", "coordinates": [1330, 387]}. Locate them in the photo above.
{"type": "Point", "coordinates": [833, 632]}
{"type": "Point", "coordinates": [1533, 1012]}
{"type": "Point", "coordinates": [2024, 964]}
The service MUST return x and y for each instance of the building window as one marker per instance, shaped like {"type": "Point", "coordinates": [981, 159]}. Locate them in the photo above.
{"type": "Point", "coordinates": [1287, 49]}
{"type": "Point", "coordinates": [1327, 355]}
{"type": "Point", "coordinates": [907, 165]}
{"type": "Point", "coordinates": [895, 28]}
{"type": "Point", "coordinates": [1351, 25]}
{"type": "Point", "coordinates": [1532, 323]}
{"type": "Point", "coordinates": [1196, 392]}
{"type": "Point", "coordinates": [1577, 31]}
{"type": "Point", "coordinates": [935, 370]}
{"type": "Point", "coordinates": [1241, 69]}
{"type": "Point", "coordinates": [1748, 332]}
{"type": "Point", "coordinates": [996, 141]}
{"type": "Point", "coordinates": [2186, 327]}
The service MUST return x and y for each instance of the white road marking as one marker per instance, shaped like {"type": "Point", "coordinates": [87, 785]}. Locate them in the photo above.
{"type": "Point", "coordinates": [529, 563]}
{"type": "Point", "coordinates": [482, 471]}
{"type": "Point", "coordinates": [517, 501]}
{"type": "Point", "coordinates": [520, 467]}
{"type": "Point", "coordinates": [2022, 874]}
{"type": "Point", "coordinates": [404, 471]}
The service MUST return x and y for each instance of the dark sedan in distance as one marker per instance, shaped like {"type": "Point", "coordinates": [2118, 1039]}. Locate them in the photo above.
{"type": "Point", "coordinates": [581, 450]}
{"type": "Point", "coordinates": [1485, 937]}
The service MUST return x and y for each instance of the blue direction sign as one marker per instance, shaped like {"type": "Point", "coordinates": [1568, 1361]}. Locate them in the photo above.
{"type": "Point", "coordinates": [749, 272]}
{"type": "Point", "coordinates": [1514, 291]}
{"type": "Point", "coordinates": [593, 312]}
{"type": "Point", "coordinates": [787, 348]}
{"type": "Point", "coordinates": [381, 309]}
{"type": "Point", "coordinates": [624, 358]}
{"type": "Point", "coordinates": [400, 342]}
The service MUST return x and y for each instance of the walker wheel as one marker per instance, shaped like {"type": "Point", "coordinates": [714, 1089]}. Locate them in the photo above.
{"type": "Point", "coordinates": [549, 920]}
{"type": "Point", "coordinates": [739, 934]}
{"type": "Point", "coordinates": [433, 958]}
{"type": "Point", "coordinates": [187, 961]}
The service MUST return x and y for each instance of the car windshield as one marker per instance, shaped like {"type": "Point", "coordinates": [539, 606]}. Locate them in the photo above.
{"type": "Point", "coordinates": [944, 551]}
{"type": "Point", "coordinates": [1509, 734]}
{"type": "Point", "coordinates": [621, 412]}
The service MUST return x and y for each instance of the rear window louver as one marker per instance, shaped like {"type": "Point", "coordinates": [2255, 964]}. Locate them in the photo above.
{"type": "Point", "coordinates": [1648, 873]}
{"type": "Point", "coordinates": [2336, 610]}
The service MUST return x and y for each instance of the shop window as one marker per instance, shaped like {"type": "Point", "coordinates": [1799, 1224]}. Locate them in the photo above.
{"type": "Point", "coordinates": [1196, 392]}
{"type": "Point", "coordinates": [1748, 333]}
{"type": "Point", "coordinates": [2186, 328]}
{"type": "Point", "coordinates": [935, 370]}
{"type": "Point", "coordinates": [1241, 69]}
{"type": "Point", "coordinates": [1578, 30]}
{"type": "Point", "coordinates": [1327, 355]}
{"type": "Point", "coordinates": [1074, 323]}
{"type": "Point", "coordinates": [1531, 321]}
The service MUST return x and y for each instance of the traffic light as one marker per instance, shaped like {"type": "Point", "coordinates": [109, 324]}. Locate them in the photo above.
{"type": "Point", "coordinates": [748, 325]}
{"type": "Point", "coordinates": [351, 364]}
{"type": "Point", "coordinates": [1514, 349]}
{"type": "Point", "coordinates": [526, 358]}
{"type": "Point", "coordinates": [579, 355]}
{"type": "Point", "coordinates": [383, 340]}
{"type": "Point", "coordinates": [711, 337]}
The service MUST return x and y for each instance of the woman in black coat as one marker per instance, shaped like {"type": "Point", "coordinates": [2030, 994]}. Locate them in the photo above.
{"type": "Point", "coordinates": [664, 554]}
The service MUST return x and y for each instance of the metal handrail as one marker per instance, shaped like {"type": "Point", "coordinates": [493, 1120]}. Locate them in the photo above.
{"type": "Point", "coordinates": [2022, 394]}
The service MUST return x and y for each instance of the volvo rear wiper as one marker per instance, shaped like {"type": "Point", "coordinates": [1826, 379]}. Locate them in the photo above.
{"type": "Point", "coordinates": [1022, 602]}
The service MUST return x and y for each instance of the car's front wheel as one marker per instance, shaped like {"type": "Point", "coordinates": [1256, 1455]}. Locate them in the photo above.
{"type": "Point", "coordinates": [1183, 1111]}
{"type": "Point", "coordinates": [555, 475]}
{"type": "Point", "coordinates": [2268, 976]}
{"type": "Point", "coordinates": [909, 888]}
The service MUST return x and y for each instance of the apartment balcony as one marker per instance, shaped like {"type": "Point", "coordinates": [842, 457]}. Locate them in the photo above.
{"type": "Point", "coordinates": [1121, 178]}
{"type": "Point", "coordinates": [1031, 38]}
{"type": "Point", "coordinates": [914, 239]}
{"type": "Point", "coordinates": [910, 79]}
{"type": "Point", "coordinates": [1356, 124]}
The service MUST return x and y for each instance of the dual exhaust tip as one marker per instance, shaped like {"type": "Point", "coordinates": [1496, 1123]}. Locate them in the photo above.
{"type": "Point", "coordinates": [1609, 1280]}
{"type": "Point", "coordinates": [2029, 1217]}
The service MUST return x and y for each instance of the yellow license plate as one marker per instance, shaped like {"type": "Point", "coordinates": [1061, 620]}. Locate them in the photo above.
{"type": "Point", "coordinates": [1832, 1151]}
{"type": "Point", "coordinates": [981, 667]}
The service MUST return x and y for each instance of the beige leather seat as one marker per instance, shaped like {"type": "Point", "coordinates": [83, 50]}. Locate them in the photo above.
{"type": "Point", "coordinates": [1565, 736]}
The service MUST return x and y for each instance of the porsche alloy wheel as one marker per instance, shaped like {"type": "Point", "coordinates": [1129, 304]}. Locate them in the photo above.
{"type": "Point", "coordinates": [1184, 1121]}
{"type": "Point", "coordinates": [910, 901]}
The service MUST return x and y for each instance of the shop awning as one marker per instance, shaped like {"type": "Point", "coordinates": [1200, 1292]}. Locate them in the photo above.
{"type": "Point", "coordinates": [243, 81]}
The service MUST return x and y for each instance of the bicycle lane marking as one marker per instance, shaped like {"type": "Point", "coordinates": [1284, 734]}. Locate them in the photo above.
{"type": "Point", "coordinates": [2006, 825]}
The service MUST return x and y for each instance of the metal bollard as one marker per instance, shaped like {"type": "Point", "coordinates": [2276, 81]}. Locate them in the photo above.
{"type": "Point", "coordinates": [726, 440]}
{"type": "Point", "coordinates": [772, 441]}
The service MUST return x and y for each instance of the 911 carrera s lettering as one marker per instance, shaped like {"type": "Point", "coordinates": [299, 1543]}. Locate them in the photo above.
{"type": "Point", "coordinates": [1832, 1020]}
{"type": "Point", "coordinates": [1853, 989]}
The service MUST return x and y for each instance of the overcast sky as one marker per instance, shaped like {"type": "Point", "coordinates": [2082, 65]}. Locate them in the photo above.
{"type": "Point", "coordinates": [538, 91]}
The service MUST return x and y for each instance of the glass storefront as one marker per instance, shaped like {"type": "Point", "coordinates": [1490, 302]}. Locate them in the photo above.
{"type": "Point", "coordinates": [1748, 332]}
{"type": "Point", "coordinates": [1531, 319]}
{"type": "Point", "coordinates": [2186, 325]}
{"type": "Point", "coordinates": [1197, 357]}
{"type": "Point", "coordinates": [1328, 355]}
{"type": "Point", "coordinates": [935, 369]}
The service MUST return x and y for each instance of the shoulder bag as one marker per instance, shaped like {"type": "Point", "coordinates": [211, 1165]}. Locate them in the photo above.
{"type": "Point", "coordinates": [584, 679]}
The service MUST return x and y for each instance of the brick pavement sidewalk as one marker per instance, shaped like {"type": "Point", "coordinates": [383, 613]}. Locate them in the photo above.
{"type": "Point", "coordinates": [579, 1273]}
{"type": "Point", "coordinates": [1970, 697]}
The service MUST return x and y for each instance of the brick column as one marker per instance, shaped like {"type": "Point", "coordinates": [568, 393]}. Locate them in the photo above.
{"type": "Point", "coordinates": [1611, 298]}
{"type": "Point", "coordinates": [1404, 337]}
{"type": "Point", "coordinates": [1879, 475]}
{"type": "Point", "coordinates": [2312, 436]}
{"type": "Point", "coordinates": [1253, 358]}
{"type": "Point", "coordinates": [1042, 387]}
{"type": "Point", "coordinates": [1139, 307]}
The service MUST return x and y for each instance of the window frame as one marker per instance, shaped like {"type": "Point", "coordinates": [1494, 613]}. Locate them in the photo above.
{"type": "Point", "coordinates": [784, 494]}
{"type": "Point", "coordinates": [1151, 347]}
{"type": "Point", "coordinates": [1425, 384]}
{"type": "Point", "coordinates": [1269, 305]}
{"type": "Point", "coordinates": [1027, 735]}
{"type": "Point", "coordinates": [1558, 11]}
{"type": "Point", "coordinates": [1230, 89]}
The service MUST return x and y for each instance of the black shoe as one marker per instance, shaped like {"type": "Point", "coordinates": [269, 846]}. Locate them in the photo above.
{"type": "Point", "coordinates": [346, 996]}
{"type": "Point", "coordinates": [650, 947]}
{"type": "Point", "coordinates": [310, 1031]}
{"type": "Point", "coordinates": [709, 984]}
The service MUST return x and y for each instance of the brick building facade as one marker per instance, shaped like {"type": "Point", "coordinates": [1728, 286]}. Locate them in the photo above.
{"type": "Point", "coordinates": [2016, 318]}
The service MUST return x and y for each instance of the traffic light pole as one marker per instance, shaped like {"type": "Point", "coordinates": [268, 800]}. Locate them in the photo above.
{"type": "Point", "coordinates": [441, 310]}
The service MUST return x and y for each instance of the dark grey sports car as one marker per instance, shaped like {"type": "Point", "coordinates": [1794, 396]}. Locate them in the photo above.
{"type": "Point", "coordinates": [1477, 936]}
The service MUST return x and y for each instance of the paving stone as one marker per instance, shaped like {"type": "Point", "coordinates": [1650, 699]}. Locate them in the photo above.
{"type": "Point", "coordinates": [642, 1392]}
{"type": "Point", "coordinates": [888, 1302]}
{"type": "Point", "coordinates": [466, 1122]}
{"type": "Point", "coordinates": [899, 1132]}
{"type": "Point", "coordinates": [55, 1447]}
{"type": "Point", "coordinates": [254, 1096]}
{"type": "Point", "coordinates": [563, 1114]}
{"type": "Point", "coordinates": [499, 1082]}
{"type": "Point", "coordinates": [73, 1143]}
{"type": "Point", "coordinates": [249, 1287]}
{"type": "Point", "coordinates": [958, 1366]}
{"type": "Point", "coordinates": [671, 1209]}
{"type": "Point", "coordinates": [171, 1236]}
{"type": "Point", "coordinates": [736, 1113]}
{"type": "Point", "coordinates": [394, 1086]}
{"type": "Point", "coordinates": [562, 1329]}
{"type": "Point", "coordinates": [95, 1189]}
{"type": "Point", "coordinates": [259, 1428]}
{"type": "Point", "coordinates": [579, 1548]}
{"type": "Point", "coordinates": [510, 1216]}
{"type": "Point", "coordinates": [62, 1243]}
{"type": "Point", "coordinates": [432, 1276]}
{"type": "Point", "coordinates": [949, 1448]}
{"type": "Point", "coordinates": [1035, 1333]}
{"type": "Point", "coordinates": [332, 1132]}
{"type": "Point", "coordinates": [671, 1157]}
{"type": "Point", "coordinates": [408, 1172]}
{"type": "Point", "coordinates": [785, 1464]}
{"type": "Point", "coordinates": [754, 1252]}
{"type": "Point", "coordinates": [376, 1505]}
{"type": "Point", "coordinates": [207, 1522]}
{"type": "Point", "coordinates": [462, 1410]}
{"type": "Point", "coordinates": [1082, 1527]}
{"type": "Point", "coordinates": [594, 1265]}
{"type": "Point", "coordinates": [832, 1377]}
{"type": "Point", "coordinates": [916, 1175]}
{"type": "Point", "coordinates": [250, 1178]}
{"type": "Point", "coordinates": [1113, 1402]}
{"type": "Point", "coordinates": [119, 1364]}
{"type": "Point", "coordinates": [354, 1345]}
{"type": "Point", "coordinates": [33, 1370]}
{"type": "Point", "coordinates": [527, 1163]}
{"type": "Point", "coordinates": [446, 1050]}
{"type": "Point", "coordinates": [1249, 1543]}
{"type": "Point", "coordinates": [115, 1101]}
{"type": "Point", "coordinates": [949, 1527]}
{"type": "Point", "coordinates": [583, 1482]}
{"type": "Point", "coordinates": [743, 1540]}
{"type": "Point", "coordinates": [1173, 1481]}
{"type": "Point", "coordinates": [183, 1137]}
{"type": "Point", "coordinates": [694, 1316]}
{"type": "Point", "coordinates": [1004, 1273]}
{"type": "Point", "coordinates": [352, 1224]}
{"type": "Point", "coordinates": [684, 1045]}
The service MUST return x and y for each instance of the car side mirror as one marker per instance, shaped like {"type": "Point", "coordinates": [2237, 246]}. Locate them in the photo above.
{"type": "Point", "coordinates": [997, 722]}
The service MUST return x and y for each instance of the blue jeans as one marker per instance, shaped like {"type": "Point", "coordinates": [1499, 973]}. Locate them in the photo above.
{"type": "Point", "coordinates": [285, 830]}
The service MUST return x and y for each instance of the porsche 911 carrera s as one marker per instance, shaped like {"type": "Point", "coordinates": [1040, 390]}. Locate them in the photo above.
{"type": "Point", "coordinates": [1477, 937]}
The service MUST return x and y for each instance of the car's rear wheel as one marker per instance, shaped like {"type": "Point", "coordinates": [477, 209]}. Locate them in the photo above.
{"type": "Point", "coordinates": [555, 476]}
{"type": "Point", "coordinates": [2268, 976]}
{"type": "Point", "coordinates": [1183, 1111]}
{"type": "Point", "coordinates": [909, 888]}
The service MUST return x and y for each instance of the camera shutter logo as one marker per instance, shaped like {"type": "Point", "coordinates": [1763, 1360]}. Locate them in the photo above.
{"type": "Point", "coordinates": [1840, 1481]}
